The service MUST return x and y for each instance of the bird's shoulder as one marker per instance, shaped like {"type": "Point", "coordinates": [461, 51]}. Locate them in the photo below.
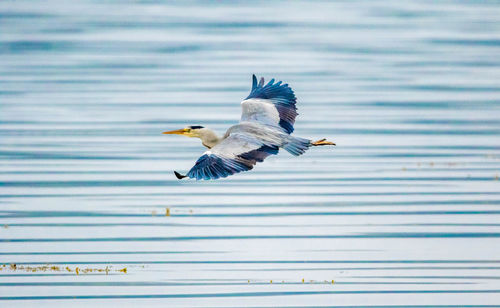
{"type": "Point", "coordinates": [254, 129]}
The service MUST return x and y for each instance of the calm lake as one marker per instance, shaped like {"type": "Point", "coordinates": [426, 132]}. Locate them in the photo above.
{"type": "Point", "coordinates": [404, 211]}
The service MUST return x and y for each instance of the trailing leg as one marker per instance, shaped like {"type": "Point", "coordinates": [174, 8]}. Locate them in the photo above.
{"type": "Point", "coordinates": [322, 142]}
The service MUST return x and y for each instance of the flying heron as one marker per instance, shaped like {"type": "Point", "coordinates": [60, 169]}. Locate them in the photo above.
{"type": "Point", "coordinates": [266, 125]}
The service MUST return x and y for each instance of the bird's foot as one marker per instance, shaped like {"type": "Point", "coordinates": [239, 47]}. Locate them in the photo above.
{"type": "Point", "coordinates": [179, 176]}
{"type": "Point", "coordinates": [322, 142]}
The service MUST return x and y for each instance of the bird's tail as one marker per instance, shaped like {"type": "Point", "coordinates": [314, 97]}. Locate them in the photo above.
{"type": "Point", "coordinates": [297, 146]}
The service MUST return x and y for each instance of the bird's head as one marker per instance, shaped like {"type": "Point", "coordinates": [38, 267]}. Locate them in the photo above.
{"type": "Point", "coordinates": [190, 131]}
{"type": "Point", "coordinates": [208, 137]}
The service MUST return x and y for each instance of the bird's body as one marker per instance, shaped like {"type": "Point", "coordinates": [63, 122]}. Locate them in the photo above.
{"type": "Point", "coordinates": [266, 124]}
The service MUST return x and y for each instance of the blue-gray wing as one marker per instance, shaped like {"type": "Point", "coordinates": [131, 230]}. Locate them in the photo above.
{"type": "Point", "coordinates": [238, 152]}
{"type": "Point", "coordinates": [271, 104]}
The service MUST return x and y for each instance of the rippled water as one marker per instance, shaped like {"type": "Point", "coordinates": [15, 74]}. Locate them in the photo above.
{"type": "Point", "coordinates": [404, 211]}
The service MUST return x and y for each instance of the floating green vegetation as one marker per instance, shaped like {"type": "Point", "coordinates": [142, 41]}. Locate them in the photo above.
{"type": "Point", "coordinates": [53, 268]}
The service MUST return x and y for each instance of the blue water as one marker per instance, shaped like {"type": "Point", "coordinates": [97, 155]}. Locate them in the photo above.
{"type": "Point", "coordinates": [404, 212]}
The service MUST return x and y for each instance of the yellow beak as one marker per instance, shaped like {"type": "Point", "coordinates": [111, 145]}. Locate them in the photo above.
{"type": "Point", "coordinates": [177, 132]}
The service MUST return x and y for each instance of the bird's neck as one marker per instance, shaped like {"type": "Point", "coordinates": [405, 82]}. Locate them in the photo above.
{"type": "Point", "coordinates": [209, 138]}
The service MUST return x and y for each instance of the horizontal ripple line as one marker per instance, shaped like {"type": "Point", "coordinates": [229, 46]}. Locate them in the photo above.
{"type": "Point", "coordinates": [192, 193]}
{"type": "Point", "coordinates": [250, 237]}
{"type": "Point", "coordinates": [94, 214]}
{"type": "Point", "coordinates": [245, 294]}
{"type": "Point", "coordinates": [156, 283]}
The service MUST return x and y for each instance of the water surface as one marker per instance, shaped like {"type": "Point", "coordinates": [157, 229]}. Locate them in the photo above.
{"type": "Point", "coordinates": [405, 211]}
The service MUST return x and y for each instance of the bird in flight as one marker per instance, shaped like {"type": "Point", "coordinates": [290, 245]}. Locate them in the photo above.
{"type": "Point", "coordinates": [266, 125]}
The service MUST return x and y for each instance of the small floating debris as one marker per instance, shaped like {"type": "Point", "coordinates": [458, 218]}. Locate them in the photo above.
{"type": "Point", "coordinates": [53, 268]}
{"type": "Point", "coordinates": [167, 211]}
{"type": "Point", "coordinates": [271, 281]}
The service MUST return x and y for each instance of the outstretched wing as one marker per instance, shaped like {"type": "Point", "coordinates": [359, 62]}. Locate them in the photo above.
{"type": "Point", "coordinates": [271, 104]}
{"type": "Point", "coordinates": [238, 152]}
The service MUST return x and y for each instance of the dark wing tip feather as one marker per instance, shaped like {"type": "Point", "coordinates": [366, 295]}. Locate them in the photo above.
{"type": "Point", "coordinates": [178, 175]}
